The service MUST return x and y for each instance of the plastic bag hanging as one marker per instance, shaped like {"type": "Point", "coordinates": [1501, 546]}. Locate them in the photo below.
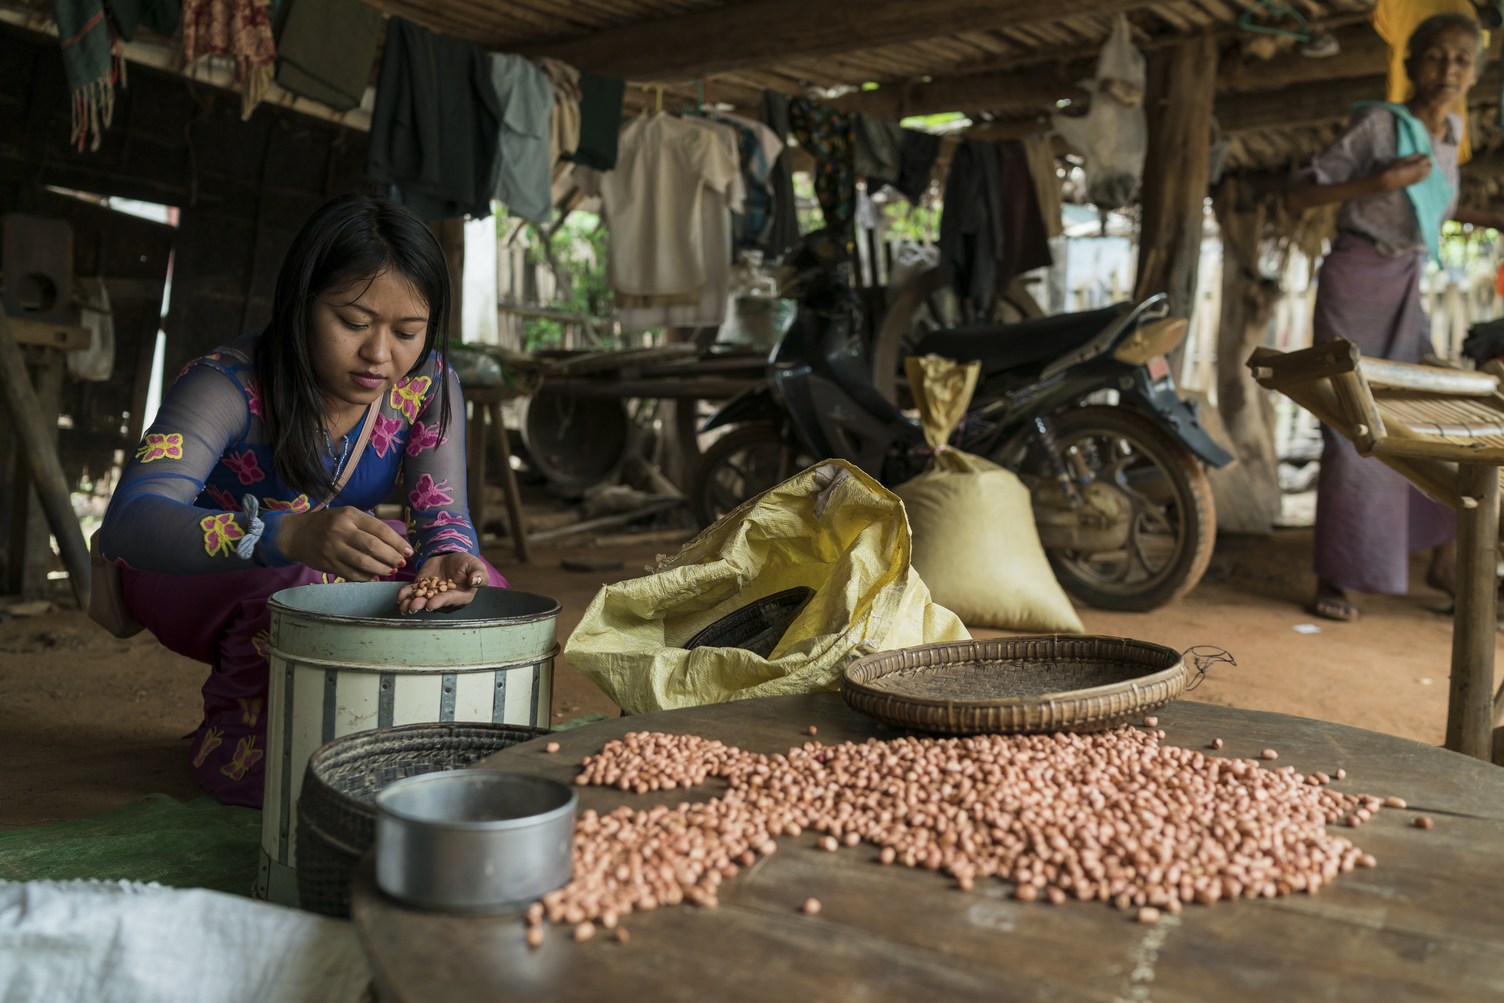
{"type": "Point", "coordinates": [1114, 135]}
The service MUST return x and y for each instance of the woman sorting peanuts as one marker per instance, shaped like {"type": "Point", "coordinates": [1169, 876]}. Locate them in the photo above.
{"type": "Point", "coordinates": [268, 454]}
{"type": "Point", "coordinates": [1394, 169]}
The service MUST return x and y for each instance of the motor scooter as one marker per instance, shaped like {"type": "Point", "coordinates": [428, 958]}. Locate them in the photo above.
{"type": "Point", "coordinates": [1081, 406]}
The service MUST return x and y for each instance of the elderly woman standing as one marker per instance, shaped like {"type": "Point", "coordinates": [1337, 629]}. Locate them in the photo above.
{"type": "Point", "coordinates": [1394, 169]}
{"type": "Point", "coordinates": [268, 454]}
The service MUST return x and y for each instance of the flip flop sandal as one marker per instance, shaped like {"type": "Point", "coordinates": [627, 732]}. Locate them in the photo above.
{"type": "Point", "coordinates": [1334, 609]}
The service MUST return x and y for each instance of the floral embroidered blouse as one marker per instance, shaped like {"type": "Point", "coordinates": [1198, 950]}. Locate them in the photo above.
{"type": "Point", "coordinates": [179, 507]}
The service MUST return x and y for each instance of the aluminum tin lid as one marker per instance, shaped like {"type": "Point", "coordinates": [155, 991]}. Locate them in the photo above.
{"type": "Point", "coordinates": [435, 799]}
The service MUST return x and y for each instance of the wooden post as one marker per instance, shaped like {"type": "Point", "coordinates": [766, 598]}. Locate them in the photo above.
{"type": "Point", "coordinates": [1470, 702]}
{"type": "Point", "coordinates": [31, 556]}
{"type": "Point", "coordinates": [451, 237]}
{"type": "Point", "coordinates": [1181, 91]}
{"type": "Point", "coordinates": [475, 461]}
{"type": "Point", "coordinates": [41, 458]}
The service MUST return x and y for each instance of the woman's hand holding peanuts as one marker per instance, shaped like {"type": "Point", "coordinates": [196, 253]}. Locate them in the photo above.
{"type": "Point", "coordinates": [343, 541]}
{"type": "Point", "coordinates": [465, 571]}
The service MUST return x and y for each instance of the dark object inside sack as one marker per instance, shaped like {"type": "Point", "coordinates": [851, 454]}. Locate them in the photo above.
{"type": "Point", "coordinates": [758, 627]}
{"type": "Point", "coordinates": [1484, 341]}
{"type": "Point", "coordinates": [337, 807]}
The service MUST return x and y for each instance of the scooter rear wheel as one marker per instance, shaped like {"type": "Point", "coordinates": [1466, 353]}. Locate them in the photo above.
{"type": "Point", "coordinates": [1174, 520]}
{"type": "Point", "coordinates": [741, 464]}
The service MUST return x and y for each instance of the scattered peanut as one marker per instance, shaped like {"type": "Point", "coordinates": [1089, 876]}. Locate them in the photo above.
{"type": "Point", "coordinates": [1341, 774]}
{"type": "Point", "coordinates": [812, 730]}
{"type": "Point", "coordinates": [811, 906]}
{"type": "Point", "coordinates": [622, 936]}
{"type": "Point", "coordinates": [1148, 914]}
{"type": "Point", "coordinates": [1151, 722]}
{"type": "Point", "coordinates": [1423, 822]}
{"type": "Point", "coordinates": [584, 931]}
{"type": "Point", "coordinates": [551, 746]}
{"type": "Point", "coordinates": [535, 936]}
{"type": "Point", "coordinates": [1269, 754]}
{"type": "Point", "coordinates": [1393, 802]}
{"type": "Point", "coordinates": [1217, 743]}
{"type": "Point", "coordinates": [1112, 816]}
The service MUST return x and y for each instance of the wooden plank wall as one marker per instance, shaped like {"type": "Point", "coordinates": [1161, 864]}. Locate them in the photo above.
{"type": "Point", "coordinates": [243, 188]}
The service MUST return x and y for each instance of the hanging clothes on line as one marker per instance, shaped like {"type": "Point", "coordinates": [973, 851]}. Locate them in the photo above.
{"type": "Point", "coordinates": [877, 156]}
{"type": "Point", "coordinates": [971, 228]}
{"type": "Point", "coordinates": [434, 126]}
{"type": "Point", "coordinates": [241, 29]}
{"type": "Point", "coordinates": [1041, 156]}
{"type": "Point", "coordinates": [333, 74]}
{"type": "Point", "coordinates": [830, 137]}
{"type": "Point", "coordinates": [600, 121]}
{"type": "Point", "coordinates": [917, 152]}
{"type": "Point", "coordinates": [1026, 241]}
{"type": "Point", "coordinates": [522, 175]}
{"type": "Point", "coordinates": [91, 65]}
{"type": "Point", "coordinates": [159, 16]}
{"type": "Point", "coordinates": [784, 230]}
{"type": "Point", "coordinates": [751, 222]}
{"type": "Point", "coordinates": [564, 133]}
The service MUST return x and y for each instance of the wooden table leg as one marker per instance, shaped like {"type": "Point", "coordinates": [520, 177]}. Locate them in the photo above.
{"type": "Point", "coordinates": [475, 458]}
{"type": "Point", "coordinates": [515, 524]}
{"type": "Point", "coordinates": [1470, 703]}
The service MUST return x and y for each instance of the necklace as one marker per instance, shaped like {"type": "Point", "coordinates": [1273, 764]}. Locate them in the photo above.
{"type": "Point", "coordinates": [342, 455]}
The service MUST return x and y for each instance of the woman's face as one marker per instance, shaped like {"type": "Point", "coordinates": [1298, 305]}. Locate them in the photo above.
{"type": "Point", "coordinates": [1447, 67]}
{"type": "Point", "coordinates": [365, 337]}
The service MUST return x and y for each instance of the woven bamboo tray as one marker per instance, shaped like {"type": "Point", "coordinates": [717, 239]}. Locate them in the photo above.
{"type": "Point", "coordinates": [1016, 684]}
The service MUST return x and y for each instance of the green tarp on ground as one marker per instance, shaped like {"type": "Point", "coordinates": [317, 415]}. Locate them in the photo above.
{"type": "Point", "coordinates": [202, 843]}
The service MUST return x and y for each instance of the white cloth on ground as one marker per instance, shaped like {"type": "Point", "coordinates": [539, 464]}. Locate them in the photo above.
{"type": "Point", "coordinates": [126, 942]}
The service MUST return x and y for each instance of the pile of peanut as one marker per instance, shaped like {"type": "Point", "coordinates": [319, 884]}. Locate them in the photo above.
{"type": "Point", "coordinates": [1112, 816]}
{"type": "Point", "coordinates": [430, 586]}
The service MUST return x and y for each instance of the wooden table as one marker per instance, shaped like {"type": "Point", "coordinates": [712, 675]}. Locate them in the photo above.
{"type": "Point", "coordinates": [1428, 923]}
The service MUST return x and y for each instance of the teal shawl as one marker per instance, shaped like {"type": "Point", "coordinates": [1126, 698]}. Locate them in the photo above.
{"type": "Point", "coordinates": [1430, 196]}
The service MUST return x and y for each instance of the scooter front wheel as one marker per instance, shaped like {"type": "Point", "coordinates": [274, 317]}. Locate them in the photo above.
{"type": "Point", "coordinates": [1157, 488]}
{"type": "Point", "coordinates": [741, 464]}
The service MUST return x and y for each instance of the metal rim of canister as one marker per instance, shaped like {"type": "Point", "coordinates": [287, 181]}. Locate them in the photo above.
{"type": "Point", "coordinates": [401, 623]}
{"type": "Point", "coordinates": [396, 788]}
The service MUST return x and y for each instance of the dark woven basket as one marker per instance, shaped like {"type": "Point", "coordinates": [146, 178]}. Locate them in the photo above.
{"type": "Point", "coordinates": [1016, 684]}
{"type": "Point", "coordinates": [337, 806]}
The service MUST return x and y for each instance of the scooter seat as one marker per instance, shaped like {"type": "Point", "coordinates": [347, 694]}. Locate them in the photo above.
{"type": "Point", "coordinates": [1002, 347]}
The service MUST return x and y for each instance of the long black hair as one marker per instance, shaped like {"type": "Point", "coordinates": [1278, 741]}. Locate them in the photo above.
{"type": "Point", "coordinates": [347, 239]}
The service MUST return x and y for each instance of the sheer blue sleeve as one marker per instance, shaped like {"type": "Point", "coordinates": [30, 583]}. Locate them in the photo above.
{"type": "Point", "coordinates": [433, 471]}
{"type": "Point", "coordinates": [152, 523]}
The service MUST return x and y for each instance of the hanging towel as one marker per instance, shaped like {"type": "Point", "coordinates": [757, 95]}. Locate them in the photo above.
{"type": "Point", "coordinates": [239, 28]}
{"type": "Point", "coordinates": [1432, 195]}
{"type": "Point", "coordinates": [522, 176]}
{"type": "Point", "coordinates": [878, 141]}
{"type": "Point", "coordinates": [918, 153]}
{"type": "Point", "coordinates": [434, 125]}
{"type": "Point", "coordinates": [784, 231]}
{"type": "Point", "coordinates": [160, 16]}
{"type": "Point", "coordinates": [600, 120]}
{"type": "Point", "coordinates": [84, 35]}
{"type": "Point", "coordinates": [307, 64]}
{"type": "Point", "coordinates": [1026, 243]}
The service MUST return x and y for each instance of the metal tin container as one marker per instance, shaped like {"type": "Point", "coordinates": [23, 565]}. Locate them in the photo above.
{"type": "Point", "coordinates": [474, 841]}
{"type": "Point", "coordinates": [344, 660]}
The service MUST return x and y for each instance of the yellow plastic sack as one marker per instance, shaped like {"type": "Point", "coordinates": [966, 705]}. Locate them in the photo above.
{"type": "Point", "coordinates": [975, 544]}
{"type": "Point", "coordinates": [831, 528]}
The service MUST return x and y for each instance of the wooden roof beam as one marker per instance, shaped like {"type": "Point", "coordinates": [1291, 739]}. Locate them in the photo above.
{"type": "Point", "coordinates": [765, 32]}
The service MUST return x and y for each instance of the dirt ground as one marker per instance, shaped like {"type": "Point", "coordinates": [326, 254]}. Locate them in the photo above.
{"type": "Point", "coordinates": [88, 722]}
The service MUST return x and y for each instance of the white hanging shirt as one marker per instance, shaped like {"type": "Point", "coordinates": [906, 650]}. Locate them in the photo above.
{"type": "Point", "coordinates": [652, 204]}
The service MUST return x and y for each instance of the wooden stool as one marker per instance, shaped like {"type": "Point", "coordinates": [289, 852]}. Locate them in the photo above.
{"type": "Point", "coordinates": [482, 423]}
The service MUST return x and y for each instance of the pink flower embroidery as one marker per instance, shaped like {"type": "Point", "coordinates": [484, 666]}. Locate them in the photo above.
{"type": "Point", "coordinates": [384, 434]}
{"type": "Point", "coordinates": [220, 534]}
{"type": "Point", "coordinates": [253, 402]}
{"type": "Point", "coordinates": [429, 495]}
{"type": "Point", "coordinates": [448, 519]}
{"type": "Point", "coordinates": [424, 437]}
{"type": "Point", "coordinates": [407, 396]}
{"type": "Point", "coordinates": [244, 466]}
{"type": "Point", "coordinates": [161, 447]}
{"type": "Point", "coordinates": [450, 534]}
{"type": "Point", "coordinates": [298, 504]}
{"type": "Point", "coordinates": [222, 498]}
{"type": "Point", "coordinates": [211, 357]}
